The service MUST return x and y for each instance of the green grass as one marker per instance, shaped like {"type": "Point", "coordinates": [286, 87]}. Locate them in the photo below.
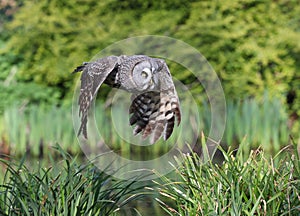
{"type": "Point", "coordinates": [241, 185]}
{"type": "Point", "coordinates": [64, 188]}
{"type": "Point", "coordinates": [33, 128]}
{"type": "Point", "coordinates": [261, 124]}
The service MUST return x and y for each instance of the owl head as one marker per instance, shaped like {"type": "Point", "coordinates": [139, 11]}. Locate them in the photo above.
{"type": "Point", "coordinates": [144, 75]}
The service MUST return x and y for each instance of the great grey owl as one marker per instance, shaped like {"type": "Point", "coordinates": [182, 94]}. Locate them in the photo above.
{"type": "Point", "coordinates": [155, 103]}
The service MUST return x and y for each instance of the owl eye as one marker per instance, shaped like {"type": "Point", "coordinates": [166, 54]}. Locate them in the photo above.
{"type": "Point", "coordinates": [145, 73]}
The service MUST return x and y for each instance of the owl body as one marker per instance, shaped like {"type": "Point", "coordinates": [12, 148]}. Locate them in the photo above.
{"type": "Point", "coordinates": [155, 103]}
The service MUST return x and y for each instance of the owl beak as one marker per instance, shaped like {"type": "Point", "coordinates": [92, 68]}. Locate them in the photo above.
{"type": "Point", "coordinates": [151, 82]}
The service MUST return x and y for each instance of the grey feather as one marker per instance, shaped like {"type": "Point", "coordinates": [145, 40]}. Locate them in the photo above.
{"type": "Point", "coordinates": [155, 103]}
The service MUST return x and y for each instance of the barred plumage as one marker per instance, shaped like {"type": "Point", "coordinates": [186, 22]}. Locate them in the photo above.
{"type": "Point", "coordinates": [155, 103]}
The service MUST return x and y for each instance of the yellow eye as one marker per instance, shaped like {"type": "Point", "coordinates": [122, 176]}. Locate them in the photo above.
{"type": "Point", "coordinates": [144, 74]}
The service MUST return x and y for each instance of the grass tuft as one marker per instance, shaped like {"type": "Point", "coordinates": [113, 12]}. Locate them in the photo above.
{"type": "Point", "coordinates": [259, 185]}
{"type": "Point", "coordinates": [65, 188]}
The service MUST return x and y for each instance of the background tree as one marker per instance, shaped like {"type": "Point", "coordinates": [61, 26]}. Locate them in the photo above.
{"type": "Point", "coordinates": [252, 45]}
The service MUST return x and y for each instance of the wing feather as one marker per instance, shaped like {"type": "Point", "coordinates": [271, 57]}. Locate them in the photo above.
{"type": "Point", "coordinates": [94, 74]}
{"type": "Point", "coordinates": [154, 113]}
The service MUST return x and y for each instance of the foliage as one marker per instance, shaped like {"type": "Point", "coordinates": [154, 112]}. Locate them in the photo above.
{"type": "Point", "coordinates": [20, 94]}
{"type": "Point", "coordinates": [253, 186]}
{"type": "Point", "coordinates": [65, 188]}
{"type": "Point", "coordinates": [252, 45]}
{"type": "Point", "coordinates": [7, 9]}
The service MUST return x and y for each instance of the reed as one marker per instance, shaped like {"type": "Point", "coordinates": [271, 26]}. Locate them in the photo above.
{"type": "Point", "coordinates": [36, 128]}
{"type": "Point", "coordinates": [260, 124]}
{"type": "Point", "coordinates": [251, 185]}
{"type": "Point", "coordinates": [254, 185]}
{"type": "Point", "coordinates": [64, 188]}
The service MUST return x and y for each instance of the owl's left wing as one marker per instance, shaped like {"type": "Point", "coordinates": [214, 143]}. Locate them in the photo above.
{"type": "Point", "coordinates": [94, 74]}
{"type": "Point", "coordinates": [154, 112]}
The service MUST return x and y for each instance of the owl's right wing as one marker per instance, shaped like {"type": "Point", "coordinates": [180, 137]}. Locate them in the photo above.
{"type": "Point", "coordinates": [161, 122]}
{"type": "Point", "coordinates": [154, 112]}
{"type": "Point", "coordinates": [94, 74]}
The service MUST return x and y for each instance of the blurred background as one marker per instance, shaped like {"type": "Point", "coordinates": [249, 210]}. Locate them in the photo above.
{"type": "Point", "coordinates": [252, 45]}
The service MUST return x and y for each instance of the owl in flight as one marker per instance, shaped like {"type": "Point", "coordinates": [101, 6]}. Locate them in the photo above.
{"type": "Point", "coordinates": [154, 102]}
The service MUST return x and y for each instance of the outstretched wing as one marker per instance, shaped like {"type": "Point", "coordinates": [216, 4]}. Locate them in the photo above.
{"type": "Point", "coordinates": [165, 119]}
{"type": "Point", "coordinates": [94, 74]}
{"type": "Point", "coordinates": [153, 112]}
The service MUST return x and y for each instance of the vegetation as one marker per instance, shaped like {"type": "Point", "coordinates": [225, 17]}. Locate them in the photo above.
{"type": "Point", "coordinates": [34, 128]}
{"type": "Point", "coordinates": [252, 45]}
{"type": "Point", "coordinates": [64, 188]}
{"type": "Point", "coordinates": [254, 185]}
{"type": "Point", "coordinates": [240, 185]}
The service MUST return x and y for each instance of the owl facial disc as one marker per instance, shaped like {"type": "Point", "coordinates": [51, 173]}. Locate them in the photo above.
{"type": "Point", "coordinates": [142, 75]}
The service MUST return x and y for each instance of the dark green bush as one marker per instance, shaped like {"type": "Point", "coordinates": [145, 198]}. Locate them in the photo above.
{"type": "Point", "coordinates": [252, 45]}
